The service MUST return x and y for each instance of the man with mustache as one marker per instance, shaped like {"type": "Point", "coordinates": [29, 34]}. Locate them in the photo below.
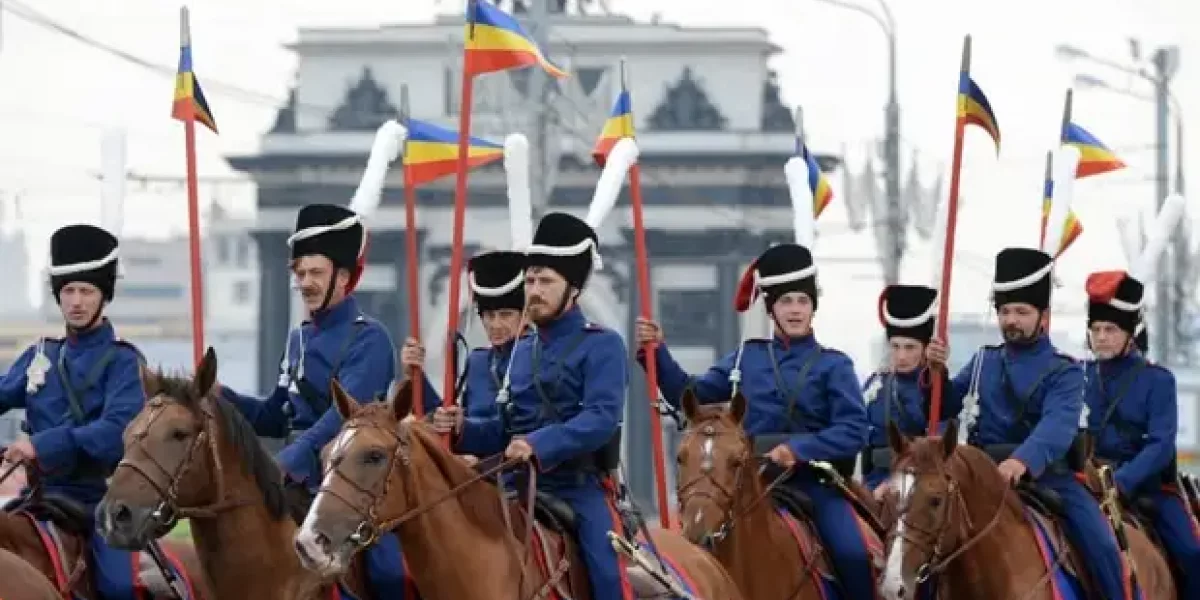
{"type": "Point", "coordinates": [497, 283]}
{"type": "Point", "coordinates": [79, 392]}
{"type": "Point", "coordinates": [565, 397]}
{"type": "Point", "coordinates": [1133, 418]}
{"type": "Point", "coordinates": [336, 341]}
{"type": "Point", "coordinates": [1030, 400]}
{"type": "Point", "coordinates": [797, 390]}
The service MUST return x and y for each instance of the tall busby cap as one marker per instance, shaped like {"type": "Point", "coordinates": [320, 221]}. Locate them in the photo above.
{"type": "Point", "coordinates": [566, 244]}
{"type": "Point", "coordinates": [1022, 275]}
{"type": "Point", "coordinates": [83, 253]}
{"type": "Point", "coordinates": [781, 269]}
{"type": "Point", "coordinates": [908, 311]}
{"type": "Point", "coordinates": [1115, 297]}
{"type": "Point", "coordinates": [332, 231]}
{"type": "Point", "coordinates": [497, 280]}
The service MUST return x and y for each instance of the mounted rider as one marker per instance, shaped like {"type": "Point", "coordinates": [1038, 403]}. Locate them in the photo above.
{"type": "Point", "coordinates": [563, 401]}
{"type": "Point", "coordinates": [1133, 418]}
{"type": "Point", "coordinates": [1028, 398]}
{"type": "Point", "coordinates": [900, 393]}
{"type": "Point", "coordinates": [336, 340]}
{"type": "Point", "coordinates": [496, 280]}
{"type": "Point", "coordinates": [79, 392]}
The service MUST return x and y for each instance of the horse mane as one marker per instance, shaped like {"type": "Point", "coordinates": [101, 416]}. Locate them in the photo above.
{"type": "Point", "coordinates": [238, 432]}
{"type": "Point", "coordinates": [484, 510]}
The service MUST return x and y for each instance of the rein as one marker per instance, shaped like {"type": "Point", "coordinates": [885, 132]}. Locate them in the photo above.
{"type": "Point", "coordinates": [372, 525]}
{"type": "Point", "coordinates": [168, 511]}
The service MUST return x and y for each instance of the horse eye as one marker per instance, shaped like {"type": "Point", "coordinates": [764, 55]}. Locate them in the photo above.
{"type": "Point", "coordinates": [180, 435]}
{"type": "Point", "coordinates": [374, 457]}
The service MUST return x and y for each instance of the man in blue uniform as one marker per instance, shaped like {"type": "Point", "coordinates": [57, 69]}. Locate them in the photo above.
{"type": "Point", "coordinates": [900, 393]}
{"type": "Point", "coordinates": [1133, 417]}
{"type": "Point", "coordinates": [1030, 399]}
{"type": "Point", "coordinates": [793, 386]}
{"type": "Point", "coordinates": [79, 391]}
{"type": "Point", "coordinates": [336, 340]}
{"type": "Point", "coordinates": [497, 282]}
{"type": "Point", "coordinates": [567, 397]}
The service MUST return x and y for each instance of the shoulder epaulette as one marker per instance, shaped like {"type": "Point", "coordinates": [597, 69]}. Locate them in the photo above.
{"type": "Point", "coordinates": [835, 351]}
{"type": "Point", "coordinates": [130, 345]}
{"type": "Point", "coordinates": [590, 326]}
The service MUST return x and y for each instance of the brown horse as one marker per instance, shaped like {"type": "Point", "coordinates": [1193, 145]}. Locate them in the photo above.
{"type": "Point", "coordinates": [961, 522]}
{"type": "Point", "coordinates": [390, 472]}
{"type": "Point", "coordinates": [21, 581]}
{"type": "Point", "coordinates": [60, 550]}
{"type": "Point", "coordinates": [771, 553]}
{"type": "Point", "coordinates": [190, 454]}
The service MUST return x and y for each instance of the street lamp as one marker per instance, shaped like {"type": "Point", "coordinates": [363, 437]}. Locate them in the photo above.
{"type": "Point", "coordinates": [892, 252]}
{"type": "Point", "coordinates": [1166, 63]}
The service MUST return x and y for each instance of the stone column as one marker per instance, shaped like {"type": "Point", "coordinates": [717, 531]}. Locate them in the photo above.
{"type": "Point", "coordinates": [273, 305]}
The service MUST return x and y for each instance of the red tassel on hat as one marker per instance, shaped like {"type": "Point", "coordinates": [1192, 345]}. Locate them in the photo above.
{"type": "Point", "coordinates": [1102, 286]}
{"type": "Point", "coordinates": [879, 307]}
{"type": "Point", "coordinates": [747, 291]}
{"type": "Point", "coordinates": [360, 266]}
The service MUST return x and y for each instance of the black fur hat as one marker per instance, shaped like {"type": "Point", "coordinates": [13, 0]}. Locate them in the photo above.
{"type": "Point", "coordinates": [498, 280]}
{"type": "Point", "coordinates": [332, 231]}
{"type": "Point", "coordinates": [83, 253]}
{"type": "Point", "coordinates": [908, 311]}
{"type": "Point", "coordinates": [567, 245]}
{"type": "Point", "coordinates": [781, 269]}
{"type": "Point", "coordinates": [1022, 275]}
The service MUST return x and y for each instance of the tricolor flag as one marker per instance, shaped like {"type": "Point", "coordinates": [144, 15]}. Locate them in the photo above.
{"type": "Point", "coordinates": [974, 108]}
{"type": "Point", "coordinates": [495, 41]}
{"type": "Point", "coordinates": [618, 125]}
{"type": "Point", "coordinates": [189, 102]}
{"type": "Point", "coordinates": [431, 152]}
{"type": "Point", "coordinates": [821, 190]}
{"type": "Point", "coordinates": [1094, 157]}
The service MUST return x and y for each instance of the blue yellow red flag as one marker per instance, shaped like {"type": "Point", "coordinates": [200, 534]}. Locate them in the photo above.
{"type": "Point", "coordinates": [618, 125]}
{"type": "Point", "coordinates": [190, 103]}
{"type": "Point", "coordinates": [821, 190]}
{"type": "Point", "coordinates": [974, 108]}
{"type": "Point", "coordinates": [495, 41]}
{"type": "Point", "coordinates": [1094, 157]}
{"type": "Point", "coordinates": [431, 152]}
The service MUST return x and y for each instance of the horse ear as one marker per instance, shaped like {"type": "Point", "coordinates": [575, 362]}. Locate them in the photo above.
{"type": "Point", "coordinates": [341, 400]}
{"type": "Point", "coordinates": [950, 438]}
{"type": "Point", "coordinates": [690, 404]}
{"type": "Point", "coordinates": [150, 382]}
{"type": "Point", "coordinates": [402, 399]}
{"type": "Point", "coordinates": [206, 373]}
{"type": "Point", "coordinates": [896, 439]}
{"type": "Point", "coordinates": [737, 407]}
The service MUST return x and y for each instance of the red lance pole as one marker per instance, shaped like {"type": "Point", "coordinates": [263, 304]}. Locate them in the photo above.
{"type": "Point", "coordinates": [960, 125]}
{"type": "Point", "coordinates": [411, 273]}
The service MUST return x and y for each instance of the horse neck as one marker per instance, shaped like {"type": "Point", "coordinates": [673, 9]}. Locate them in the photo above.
{"type": "Point", "coordinates": [992, 563]}
{"type": "Point", "coordinates": [754, 522]}
{"type": "Point", "coordinates": [245, 551]}
{"type": "Point", "coordinates": [438, 541]}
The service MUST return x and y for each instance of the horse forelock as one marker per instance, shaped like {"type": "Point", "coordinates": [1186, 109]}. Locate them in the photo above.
{"type": "Point", "coordinates": [235, 430]}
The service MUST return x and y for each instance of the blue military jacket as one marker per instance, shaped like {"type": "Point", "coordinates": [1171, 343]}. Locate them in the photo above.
{"type": "Point", "coordinates": [1030, 395]}
{"type": "Point", "coordinates": [78, 445]}
{"type": "Point", "coordinates": [903, 399]}
{"type": "Point", "coordinates": [791, 386]}
{"type": "Point", "coordinates": [1133, 418]}
{"type": "Point", "coordinates": [339, 338]}
{"type": "Point", "coordinates": [485, 371]}
{"type": "Point", "coordinates": [567, 394]}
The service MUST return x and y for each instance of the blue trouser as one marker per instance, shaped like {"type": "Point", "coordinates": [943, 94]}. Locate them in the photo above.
{"type": "Point", "coordinates": [1090, 534]}
{"type": "Point", "coordinates": [385, 569]}
{"type": "Point", "coordinates": [113, 571]}
{"type": "Point", "coordinates": [1178, 533]}
{"type": "Point", "coordinates": [596, 516]}
{"type": "Point", "coordinates": [838, 526]}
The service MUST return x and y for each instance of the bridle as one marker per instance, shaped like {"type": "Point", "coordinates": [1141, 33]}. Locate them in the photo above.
{"type": "Point", "coordinates": [371, 522]}
{"type": "Point", "coordinates": [933, 541]}
{"type": "Point", "coordinates": [168, 510]}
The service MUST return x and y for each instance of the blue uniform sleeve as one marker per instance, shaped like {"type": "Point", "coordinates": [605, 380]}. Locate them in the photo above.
{"type": "Point", "coordinates": [367, 370]}
{"type": "Point", "coordinates": [847, 432]}
{"type": "Point", "coordinates": [605, 378]}
{"type": "Point", "coordinates": [264, 414]}
{"type": "Point", "coordinates": [711, 388]}
{"type": "Point", "coordinates": [57, 448]}
{"type": "Point", "coordinates": [481, 436]}
{"type": "Point", "coordinates": [12, 385]}
{"type": "Point", "coordinates": [1056, 429]}
{"type": "Point", "coordinates": [1161, 430]}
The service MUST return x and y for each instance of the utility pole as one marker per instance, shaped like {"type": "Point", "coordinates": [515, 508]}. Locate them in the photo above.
{"type": "Point", "coordinates": [1166, 63]}
{"type": "Point", "coordinates": [897, 215]}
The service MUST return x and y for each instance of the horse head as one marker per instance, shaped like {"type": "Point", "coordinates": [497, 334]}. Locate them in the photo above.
{"type": "Point", "coordinates": [715, 460]}
{"type": "Point", "coordinates": [176, 449]}
{"type": "Point", "coordinates": [377, 469]}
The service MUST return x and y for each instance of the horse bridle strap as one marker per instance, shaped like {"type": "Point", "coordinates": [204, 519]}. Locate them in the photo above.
{"type": "Point", "coordinates": [372, 525]}
{"type": "Point", "coordinates": [937, 563]}
{"type": "Point", "coordinates": [168, 509]}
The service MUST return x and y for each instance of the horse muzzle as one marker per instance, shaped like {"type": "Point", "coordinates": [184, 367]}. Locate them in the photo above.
{"type": "Point", "coordinates": [126, 526]}
{"type": "Point", "coordinates": [318, 553]}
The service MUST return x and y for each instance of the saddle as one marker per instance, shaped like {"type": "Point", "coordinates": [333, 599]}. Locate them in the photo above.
{"type": "Point", "coordinates": [555, 514]}
{"type": "Point", "coordinates": [68, 515]}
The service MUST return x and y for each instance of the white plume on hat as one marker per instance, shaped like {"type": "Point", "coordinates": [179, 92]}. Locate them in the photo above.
{"type": "Point", "coordinates": [1066, 163]}
{"type": "Point", "coordinates": [520, 203]}
{"type": "Point", "coordinates": [389, 141]}
{"type": "Point", "coordinates": [804, 222]}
